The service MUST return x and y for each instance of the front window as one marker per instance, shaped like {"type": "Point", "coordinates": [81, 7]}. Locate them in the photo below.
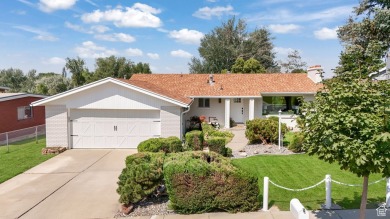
{"type": "Point", "coordinates": [287, 104]}
{"type": "Point", "coordinates": [204, 103]}
{"type": "Point", "coordinates": [237, 100]}
{"type": "Point", "coordinates": [24, 112]}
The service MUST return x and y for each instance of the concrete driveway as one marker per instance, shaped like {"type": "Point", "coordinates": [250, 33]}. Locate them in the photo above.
{"type": "Point", "coordinates": [75, 184]}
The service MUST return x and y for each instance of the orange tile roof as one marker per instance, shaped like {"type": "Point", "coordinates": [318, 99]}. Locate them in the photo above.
{"type": "Point", "coordinates": [182, 87]}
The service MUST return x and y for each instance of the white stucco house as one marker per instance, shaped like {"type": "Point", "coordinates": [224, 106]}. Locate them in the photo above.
{"type": "Point", "coordinates": [119, 113]}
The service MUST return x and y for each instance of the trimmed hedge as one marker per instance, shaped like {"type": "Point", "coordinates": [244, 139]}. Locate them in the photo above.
{"type": "Point", "coordinates": [264, 130]}
{"type": "Point", "coordinates": [201, 182]}
{"type": "Point", "coordinates": [194, 140]}
{"type": "Point", "coordinates": [167, 145]}
{"type": "Point", "coordinates": [141, 176]}
{"type": "Point", "coordinates": [296, 142]}
{"type": "Point", "coordinates": [218, 145]}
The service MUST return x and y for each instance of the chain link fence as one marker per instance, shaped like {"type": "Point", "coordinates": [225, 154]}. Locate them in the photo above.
{"type": "Point", "coordinates": [12, 137]}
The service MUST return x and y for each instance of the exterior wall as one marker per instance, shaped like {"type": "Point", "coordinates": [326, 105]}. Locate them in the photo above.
{"type": "Point", "coordinates": [170, 121]}
{"type": "Point", "coordinates": [216, 110]}
{"type": "Point", "coordinates": [9, 115]}
{"type": "Point", "coordinates": [111, 96]}
{"type": "Point", "coordinates": [56, 126]}
{"type": "Point", "coordinates": [308, 97]}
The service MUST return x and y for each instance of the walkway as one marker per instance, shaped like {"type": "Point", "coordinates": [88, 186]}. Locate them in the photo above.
{"type": "Point", "coordinates": [239, 140]}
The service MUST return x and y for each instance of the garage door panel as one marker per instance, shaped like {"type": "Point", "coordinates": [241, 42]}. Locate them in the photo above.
{"type": "Point", "coordinates": [113, 128]}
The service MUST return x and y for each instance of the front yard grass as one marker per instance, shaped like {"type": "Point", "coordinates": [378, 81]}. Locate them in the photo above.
{"type": "Point", "coordinates": [300, 171]}
{"type": "Point", "coordinates": [22, 156]}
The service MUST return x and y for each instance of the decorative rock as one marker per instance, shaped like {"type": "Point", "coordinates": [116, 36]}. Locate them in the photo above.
{"type": "Point", "coordinates": [126, 209]}
{"type": "Point", "coordinates": [255, 152]}
{"type": "Point", "coordinates": [53, 150]}
{"type": "Point", "coordinates": [243, 154]}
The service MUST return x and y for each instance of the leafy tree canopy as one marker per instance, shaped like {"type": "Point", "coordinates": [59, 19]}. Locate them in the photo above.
{"type": "Point", "coordinates": [220, 48]}
{"type": "Point", "coordinates": [294, 63]}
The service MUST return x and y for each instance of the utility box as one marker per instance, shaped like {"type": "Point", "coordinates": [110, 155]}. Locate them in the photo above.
{"type": "Point", "coordinates": [297, 209]}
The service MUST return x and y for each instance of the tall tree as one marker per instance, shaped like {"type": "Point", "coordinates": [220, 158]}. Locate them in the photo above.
{"type": "Point", "coordinates": [29, 84]}
{"type": "Point", "coordinates": [220, 48]}
{"type": "Point", "coordinates": [293, 63]}
{"type": "Point", "coordinates": [347, 122]}
{"type": "Point", "coordinates": [78, 69]}
{"type": "Point", "coordinates": [141, 68]}
{"type": "Point", "coordinates": [12, 78]}
{"type": "Point", "coordinates": [52, 84]}
{"type": "Point", "coordinates": [365, 37]}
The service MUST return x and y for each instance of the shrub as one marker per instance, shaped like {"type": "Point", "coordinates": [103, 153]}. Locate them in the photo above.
{"type": "Point", "coordinates": [200, 182]}
{"type": "Point", "coordinates": [296, 142]}
{"type": "Point", "coordinates": [264, 130]}
{"type": "Point", "coordinates": [232, 123]}
{"type": "Point", "coordinates": [195, 123]}
{"type": "Point", "coordinates": [226, 134]}
{"type": "Point", "coordinates": [194, 140]}
{"type": "Point", "coordinates": [141, 176]}
{"type": "Point", "coordinates": [208, 129]}
{"type": "Point", "coordinates": [167, 145]}
{"type": "Point", "coordinates": [217, 144]}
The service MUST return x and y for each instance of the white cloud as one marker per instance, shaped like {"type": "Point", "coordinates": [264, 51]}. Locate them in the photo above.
{"type": "Point", "coordinates": [53, 5]}
{"type": "Point", "coordinates": [139, 15]}
{"type": "Point", "coordinates": [327, 15]}
{"type": "Point", "coordinates": [181, 53]}
{"type": "Point", "coordinates": [186, 36]}
{"type": "Point", "coordinates": [284, 28]}
{"type": "Point", "coordinates": [326, 33]}
{"type": "Point", "coordinates": [153, 55]}
{"type": "Point", "coordinates": [89, 49]}
{"type": "Point", "coordinates": [40, 34]}
{"type": "Point", "coordinates": [208, 13]}
{"type": "Point", "coordinates": [115, 37]}
{"type": "Point", "coordinates": [46, 38]}
{"type": "Point", "coordinates": [93, 29]}
{"type": "Point", "coordinates": [134, 52]}
{"type": "Point", "coordinates": [54, 61]}
{"type": "Point", "coordinates": [282, 51]}
{"type": "Point", "coordinates": [92, 3]}
{"type": "Point", "coordinates": [100, 28]}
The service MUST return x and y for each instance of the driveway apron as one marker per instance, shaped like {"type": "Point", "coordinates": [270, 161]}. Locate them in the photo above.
{"type": "Point", "coordinates": [75, 184]}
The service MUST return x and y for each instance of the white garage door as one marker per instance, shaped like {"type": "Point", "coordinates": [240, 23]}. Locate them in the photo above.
{"type": "Point", "coordinates": [113, 128]}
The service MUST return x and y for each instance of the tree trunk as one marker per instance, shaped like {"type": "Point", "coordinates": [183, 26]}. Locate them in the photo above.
{"type": "Point", "coordinates": [363, 202]}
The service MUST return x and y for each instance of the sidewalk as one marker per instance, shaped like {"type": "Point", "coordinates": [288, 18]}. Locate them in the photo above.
{"type": "Point", "coordinates": [239, 140]}
{"type": "Point", "coordinates": [326, 214]}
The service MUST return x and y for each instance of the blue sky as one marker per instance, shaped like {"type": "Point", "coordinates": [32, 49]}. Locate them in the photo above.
{"type": "Point", "coordinates": [40, 34]}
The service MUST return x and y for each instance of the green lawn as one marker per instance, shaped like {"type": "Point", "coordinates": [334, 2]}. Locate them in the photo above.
{"type": "Point", "coordinates": [299, 171]}
{"type": "Point", "coordinates": [22, 156]}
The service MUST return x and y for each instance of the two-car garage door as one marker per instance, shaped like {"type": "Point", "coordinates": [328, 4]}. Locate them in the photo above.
{"type": "Point", "coordinates": [113, 128]}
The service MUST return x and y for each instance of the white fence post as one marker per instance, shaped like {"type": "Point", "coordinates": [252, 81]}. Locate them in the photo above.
{"type": "Point", "coordinates": [265, 194]}
{"type": "Point", "coordinates": [388, 192]}
{"type": "Point", "coordinates": [6, 137]}
{"type": "Point", "coordinates": [280, 127]}
{"type": "Point", "coordinates": [36, 134]}
{"type": "Point", "coordinates": [328, 191]}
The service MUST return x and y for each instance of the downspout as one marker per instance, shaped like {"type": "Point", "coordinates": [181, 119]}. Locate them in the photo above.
{"type": "Point", "coordinates": [181, 120]}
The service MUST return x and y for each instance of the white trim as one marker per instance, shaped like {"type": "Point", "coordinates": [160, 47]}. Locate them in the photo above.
{"type": "Point", "coordinates": [213, 97]}
{"type": "Point", "coordinates": [286, 93]}
{"type": "Point", "coordinates": [103, 81]}
{"type": "Point", "coordinates": [20, 95]}
{"type": "Point", "coordinates": [251, 109]}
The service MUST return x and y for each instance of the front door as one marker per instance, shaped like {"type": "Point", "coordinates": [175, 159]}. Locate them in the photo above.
{"type": "Point", "coordinates": [237, 110]}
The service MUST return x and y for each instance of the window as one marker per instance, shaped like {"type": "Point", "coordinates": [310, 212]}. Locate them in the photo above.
{"type": "Point", "coordinates": [204, 103]}
{"type": "Point", "coordinates": [24, 112]}
{"type": "Point", "coordinates": [237, 100]}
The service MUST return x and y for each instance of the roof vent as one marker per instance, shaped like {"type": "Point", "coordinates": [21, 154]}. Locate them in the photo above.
{"type": "Point", "coordinates": [211, 79]}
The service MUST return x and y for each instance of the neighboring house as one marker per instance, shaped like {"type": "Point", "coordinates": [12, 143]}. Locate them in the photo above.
{"type": "Point", "coordinates": [383, 73]}
{"type": "Point", "coordinates": [4, 89]}
{"type": "Point", "coordinates": [119, 113]}
{"type": "Point", "coordinates": [16, 112]}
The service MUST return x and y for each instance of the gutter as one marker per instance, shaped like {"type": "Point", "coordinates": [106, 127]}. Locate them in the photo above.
{"type": "Point", "coordinates": [181, 120]}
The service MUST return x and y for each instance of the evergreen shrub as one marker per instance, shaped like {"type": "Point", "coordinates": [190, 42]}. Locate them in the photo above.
{"type": "Point", "coordinates": [141, 176]}
{"type": "Point", "coordinates": [201, 182]}
{"type": "Point", "coordinates": [264, 130]}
